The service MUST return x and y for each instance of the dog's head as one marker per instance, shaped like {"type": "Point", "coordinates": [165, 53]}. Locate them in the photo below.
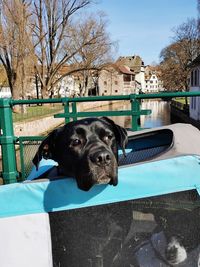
{"type": "Point", "coordinates": [86, 150]}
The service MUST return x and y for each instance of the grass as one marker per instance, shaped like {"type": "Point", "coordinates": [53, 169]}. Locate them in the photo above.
{"type": "Point", "coordinates": [182, 100]}
{"type": "Point", "coordinates": [36, 112]}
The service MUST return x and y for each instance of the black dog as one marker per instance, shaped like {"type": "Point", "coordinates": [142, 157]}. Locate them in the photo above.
{"type": "Point", "coordinates": [86, 149]}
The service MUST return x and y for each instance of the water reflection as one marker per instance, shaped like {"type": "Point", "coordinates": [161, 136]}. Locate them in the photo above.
{"type": "Point", "coordinates": [160, 113]}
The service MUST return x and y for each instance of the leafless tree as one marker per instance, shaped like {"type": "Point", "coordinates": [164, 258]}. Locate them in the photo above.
{"type": "Point", "coordinates": [177, 57]}
{"type": "Point", "coordinates": [94, 49]}
{"type": "Point", "coordinates": [15, 45]}
{"type": "Point", "coordinates": [45, 37]}
{"type": "Point", "coordinates": [53, 39]}
{"type": "Point", "coordinates": [187, 36]}
{"type": "Point", "coordinates": [173, 68]}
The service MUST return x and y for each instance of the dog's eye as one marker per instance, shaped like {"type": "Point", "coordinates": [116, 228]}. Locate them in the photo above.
{"type": "Point", "coordinates": [76, 142]}
{"type": "Point", "coordinates": [108, 137]}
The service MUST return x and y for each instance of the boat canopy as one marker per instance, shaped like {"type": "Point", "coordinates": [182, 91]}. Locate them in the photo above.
{"type": "Point", "coordinates": [161, 143]}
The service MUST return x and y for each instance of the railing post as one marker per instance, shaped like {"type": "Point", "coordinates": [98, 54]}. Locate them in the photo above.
{"type": "Point", "coordinates": [66, 110]}
{"type": "Point", "coordinates": [7, 139]}
{"type": "Point", "coordinates": [74, 110]}
{"type": "Point", "coordinates": [135, 106]}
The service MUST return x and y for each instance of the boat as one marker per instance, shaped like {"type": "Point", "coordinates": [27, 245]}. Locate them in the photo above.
{"type": "Point", "coordinates": [151, 218]}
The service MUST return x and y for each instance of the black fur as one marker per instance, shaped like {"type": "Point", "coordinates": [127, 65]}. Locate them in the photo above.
{"type": "Point", "coordinates": [86, 149]}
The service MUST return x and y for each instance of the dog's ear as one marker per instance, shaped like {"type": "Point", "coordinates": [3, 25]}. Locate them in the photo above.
{"type": "Point", "coordinates": [120, 134]}
{"type": "Point", "coordinates": [45, 149]}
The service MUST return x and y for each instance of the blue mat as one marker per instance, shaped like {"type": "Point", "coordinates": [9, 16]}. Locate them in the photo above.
{"type": "Point", "coordinates": [135, 182]}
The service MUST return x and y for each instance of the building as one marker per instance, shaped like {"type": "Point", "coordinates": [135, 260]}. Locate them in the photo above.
{"type": "Point", "coordinates": [136, 65]}
{"type": "Point", "coordinates": [129, 75]}
{"type": "Point", "coordinates": [126, 76]}
{"type": "Point", "coordinates": [66, 87]}
{"type": "Point", "coordinates": [153, 84]}
{"type": "Point", "coordinates": [194, 87]}
{"type": "Point", "coordinates": [117, 79]}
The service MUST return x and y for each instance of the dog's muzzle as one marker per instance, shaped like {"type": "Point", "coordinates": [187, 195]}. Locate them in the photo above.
{"type": "Point", "coordinates": [101, 158]}
{"type": "Point", "coordinates": [102, 166]}
{"type": "Point", "coordinates": [98, 166]}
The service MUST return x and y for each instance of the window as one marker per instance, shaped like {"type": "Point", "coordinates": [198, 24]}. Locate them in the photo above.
{"type": "Point", "coordinates": [105, 91]}
{"type": "Point", "coordinates": [105, 83]}
{"type": "Point", "coordinates": [192, 80]}
{"type": "Point", "coordinates": [196, 77]}
{"type": "Point", "coordinates": [127, 77]}
{"type": "Point", "coordinates": [116, 82]}
{"type": "Point", "coordinates": [193, 102]}
{"type": "Point", "coordinates": [116, 91]}
{"type": "Point", "coordinates": [195, 80]}
{"type": "Point", "coordinates": [86, 235]}
{"type": "Point", "coordinates": [151, 81]}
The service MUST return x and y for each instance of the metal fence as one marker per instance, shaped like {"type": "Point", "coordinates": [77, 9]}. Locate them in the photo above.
{"type": "Point", "coordinates": [13, 172]}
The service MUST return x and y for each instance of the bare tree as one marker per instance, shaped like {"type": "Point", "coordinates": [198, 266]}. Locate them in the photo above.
{"type": "Point", "coordinates": [94, 48]}
{"type": "Point", "coordinates": [15, 45]}
{"type": "Point", "coordinates": [42, 38]}
{"type": "Point", "coordinates": [173, 68]}
{"type": "Point", "coordinates": [177, 57]}
{"type": "Point", "coordinates": [187, 36]}
{"type": "Point", "coordinates": [53, 20]}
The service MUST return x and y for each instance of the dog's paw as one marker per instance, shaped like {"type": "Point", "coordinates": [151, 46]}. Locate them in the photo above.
{"type": "Point", "coordinates": [175, 252]}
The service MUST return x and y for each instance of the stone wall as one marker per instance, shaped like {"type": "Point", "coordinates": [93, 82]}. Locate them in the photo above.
{"type": "Point", "coordinates": [36, 127]}
{"type": "Point", "coordinates": [41, 126]}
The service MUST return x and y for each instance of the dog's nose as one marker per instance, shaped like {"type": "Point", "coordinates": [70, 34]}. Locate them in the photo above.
{"type": "Point", "coordinates": [101, 158]}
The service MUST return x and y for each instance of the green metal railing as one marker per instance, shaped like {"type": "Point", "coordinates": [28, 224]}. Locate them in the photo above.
{"type": "Point", "coordinates": [8, 140]}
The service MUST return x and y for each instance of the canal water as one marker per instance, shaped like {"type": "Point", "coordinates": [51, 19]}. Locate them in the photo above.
{"type": "Point", "coordinates": [160, 114]}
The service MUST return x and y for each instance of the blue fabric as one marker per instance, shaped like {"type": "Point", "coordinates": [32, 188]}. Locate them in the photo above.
{"type": "Point", "coordinates": [139, 181]}
{"type": "Point", "coordinates": [44, 166]}
{"type": "Point", "coordinates": [47, 164]}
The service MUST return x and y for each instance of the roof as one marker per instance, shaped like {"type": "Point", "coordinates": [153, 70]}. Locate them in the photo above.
{"type": "Point", "coordinates": [125, 69]}
{"type": "Point", "coordinates": [133, 62]}
{"type": "Point", "coordinates": [119, 68]}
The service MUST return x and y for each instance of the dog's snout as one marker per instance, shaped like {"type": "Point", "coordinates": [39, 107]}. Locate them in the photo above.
{"type": "Point", "coordinates": [101, 158]}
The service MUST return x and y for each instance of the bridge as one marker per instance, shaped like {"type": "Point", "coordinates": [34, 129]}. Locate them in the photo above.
{"type": "Point", "coordinates": [8, 140]}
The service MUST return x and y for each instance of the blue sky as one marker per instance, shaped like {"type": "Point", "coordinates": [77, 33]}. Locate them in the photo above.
{"type": "Point", "coordinates": [144, 27]}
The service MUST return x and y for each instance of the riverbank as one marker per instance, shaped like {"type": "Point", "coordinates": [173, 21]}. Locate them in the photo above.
{"type": "Point", "coordinates": [178, 115]}
{"type": "Point", "coordinates": [43, 125]}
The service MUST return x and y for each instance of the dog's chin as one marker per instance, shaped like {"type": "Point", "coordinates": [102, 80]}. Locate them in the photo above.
{"type": "Point", "coordinates": [85, 182]}
{"type": "Point", "coordinates": [103, 179]}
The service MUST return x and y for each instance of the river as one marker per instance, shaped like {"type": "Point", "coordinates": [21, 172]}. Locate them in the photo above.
{"type": "Point", "coordinates": [160, 114]}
